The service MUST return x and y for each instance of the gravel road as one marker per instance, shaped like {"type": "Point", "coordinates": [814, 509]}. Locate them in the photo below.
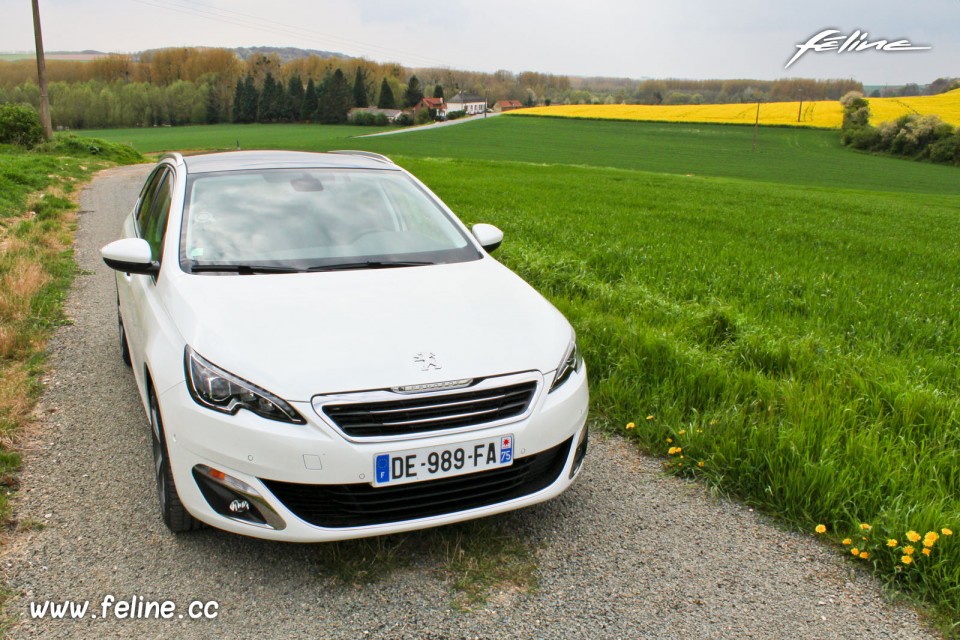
{"type": "Point", "coordinates": [432, 125]}
{"type": "Point", "coordinates": [626, 553]}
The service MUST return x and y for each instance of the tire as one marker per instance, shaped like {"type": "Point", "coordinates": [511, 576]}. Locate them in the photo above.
{"type": "Point", "coordinates": [124, 347]}
{"type": "Point", "coordinates": [174, 514]}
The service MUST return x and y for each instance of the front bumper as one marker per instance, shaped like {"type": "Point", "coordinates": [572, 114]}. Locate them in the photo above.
{"type": "Point", "coordinates": [301, 473]}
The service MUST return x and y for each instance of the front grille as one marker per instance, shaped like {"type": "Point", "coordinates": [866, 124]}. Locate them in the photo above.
{"type": "Point", "coordinates": [357, 505]}
{"type": "Point", "coordinates": [431, 413]}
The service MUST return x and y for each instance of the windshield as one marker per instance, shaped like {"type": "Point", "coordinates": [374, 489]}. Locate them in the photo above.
{"type": "Point", "coordinates": [299, 219]}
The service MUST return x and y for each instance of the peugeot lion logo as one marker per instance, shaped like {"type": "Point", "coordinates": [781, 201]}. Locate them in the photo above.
{"type": "Point", "coordinates": [428, 360]}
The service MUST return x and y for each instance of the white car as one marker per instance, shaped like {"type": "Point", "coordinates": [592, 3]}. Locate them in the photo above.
{"type": "Point", "coordinates": [324, 351]}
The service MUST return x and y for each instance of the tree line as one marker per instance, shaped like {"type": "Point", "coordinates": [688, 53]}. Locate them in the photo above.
{"type": "Point", "coordinates": [208, 85]}
{"type": "Point", "coordinates": [95, 104]}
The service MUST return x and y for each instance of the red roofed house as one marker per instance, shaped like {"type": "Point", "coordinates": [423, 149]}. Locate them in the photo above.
{"type": "Point", "coordinates": [438, 110]}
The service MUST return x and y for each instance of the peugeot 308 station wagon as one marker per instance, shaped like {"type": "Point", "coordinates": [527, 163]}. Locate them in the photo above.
{"type": "Point", "coordinates": [324, 351]}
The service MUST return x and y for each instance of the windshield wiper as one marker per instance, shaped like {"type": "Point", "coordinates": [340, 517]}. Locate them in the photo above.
{"type": "Point", "coordinates": [242, 269]}
{"type": "Point", "coordinates": [367, 264]}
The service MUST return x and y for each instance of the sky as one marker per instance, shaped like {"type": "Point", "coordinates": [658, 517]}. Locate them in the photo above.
{"type": "Point", "coordinates": [700, 39]}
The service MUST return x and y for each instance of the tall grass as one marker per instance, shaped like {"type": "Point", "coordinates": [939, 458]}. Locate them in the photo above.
{"type": "Point", "coordinates": [804, 345]}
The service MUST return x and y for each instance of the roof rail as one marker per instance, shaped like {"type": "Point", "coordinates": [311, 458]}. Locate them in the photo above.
{"type": "Point", "coordinates": [175, 156]}
{"type": "Point", "coordinates": [367, 154]}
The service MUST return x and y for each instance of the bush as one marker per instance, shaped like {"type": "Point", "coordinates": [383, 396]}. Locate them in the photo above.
{"type": "Point", "coordinates": [423, 116]}
{"type": "Point", "coordinates": [363, 119]}
{"type": "Point", "coordinates": [453, 115]}
{"type": "Point", "coordinates": [856, 110]}
{"type": "Point", "coordinates": [946, 150]}
{"type": "Point", "coordinates": [20, 125]}
{"type": "Point", "coordinates": [865, 138]}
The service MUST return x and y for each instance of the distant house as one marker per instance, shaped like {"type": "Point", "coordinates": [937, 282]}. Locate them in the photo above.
{"type": "Point", "coordinates": [390, 114]}
{"type": "Point", "coordinates": [435, 106]}
{"type": "Point", "coordinates": [507, 105]}
{"type": "Point", "coordinates": [468, 103]}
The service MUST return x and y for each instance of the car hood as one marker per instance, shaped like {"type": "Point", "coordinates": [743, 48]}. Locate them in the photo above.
{"type": "Point", "coordinates": [298, 335]}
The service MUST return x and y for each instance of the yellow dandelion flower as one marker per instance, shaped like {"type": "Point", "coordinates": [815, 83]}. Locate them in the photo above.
{"type": "Point", "coordinates": [909, 550]}
{"type": "Point", "coordinates": [913, 536]}
{"type": "Point", "coordinates": [847, 541]}
{"type": "Point", "coordinates": [930, 538]}
{"type": "Point", "coordinates": [891, 542]}
{"type": "Point", "coordinates": [630, 425]}
{"type": "Point", "coordinates": [855, 551]}
{"type": "Point", "coordinates": [946, 532]}
{"type": "Point", "coordinates": [821, 528]}
{"type": "Point", "coordinates": [926, 551]}
{"type": "Point", "coordinates": [864, 555]}
{"type": "Point", "coordinates": [682, 432]}
{"type": "Point", "coordinates": [906, 560]}
{"type": "Point", "coordinates": [700, 464]}
{"type": "Point", "coordinates": [649, 417]}
{"type": "Point", "coordinates": [865, 527]}
{"type": "Point", "coordinates": [669, 440]}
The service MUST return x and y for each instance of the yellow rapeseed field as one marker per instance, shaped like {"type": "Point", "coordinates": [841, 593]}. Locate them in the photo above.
{"type": "Point", "coordinates": [945, 105]}
{"type": "Point", "coordinates": [827, 114]}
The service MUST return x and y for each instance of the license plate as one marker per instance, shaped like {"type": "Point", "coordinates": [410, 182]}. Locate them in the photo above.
{"type": "Point", "coordinates": [430, 463]}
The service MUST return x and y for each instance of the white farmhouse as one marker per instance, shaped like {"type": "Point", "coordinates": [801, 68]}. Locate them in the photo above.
{"type": "Point", "coordinates": [468, 103]}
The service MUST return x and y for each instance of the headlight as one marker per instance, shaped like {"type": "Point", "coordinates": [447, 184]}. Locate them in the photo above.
{"type": "Point", "coordinates": [572, 361]}
{"type": "Point", "coordinates": [221, 391]}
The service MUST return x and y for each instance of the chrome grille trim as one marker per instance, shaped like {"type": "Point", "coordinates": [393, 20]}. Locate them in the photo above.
{"type": "Point", "coordinates": [384, 415]}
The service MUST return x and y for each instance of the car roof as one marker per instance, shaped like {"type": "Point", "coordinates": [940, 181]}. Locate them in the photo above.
{"type": "Point", "coordinates": [244, 160]}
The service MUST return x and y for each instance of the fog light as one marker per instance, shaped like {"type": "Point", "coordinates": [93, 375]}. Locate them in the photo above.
{"type": "Point", "coordinates": [239, 506]}
{"type": "Point", "coordinates": [235, 499]}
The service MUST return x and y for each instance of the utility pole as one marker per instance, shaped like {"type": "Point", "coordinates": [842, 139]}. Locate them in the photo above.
{"type": "Point", "coordinates": [756, 126]}
{"type": "Point", "coordinates": [800, 110]}
{"type": "Point", "coordinates": [42, 75]}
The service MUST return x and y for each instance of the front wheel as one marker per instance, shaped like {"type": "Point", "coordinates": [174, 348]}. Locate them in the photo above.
{"type": "Point", "coordinates": [175, 515]}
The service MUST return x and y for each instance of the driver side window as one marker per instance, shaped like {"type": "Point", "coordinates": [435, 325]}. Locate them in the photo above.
{"type": "Point", "coordinates": [154, 210]}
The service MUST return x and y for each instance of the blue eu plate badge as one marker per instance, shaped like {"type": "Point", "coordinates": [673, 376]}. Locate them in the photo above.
{"type": "Point", "coordinates": [506, 449]}
{"type": "Point", "coordinates": [383, 467]}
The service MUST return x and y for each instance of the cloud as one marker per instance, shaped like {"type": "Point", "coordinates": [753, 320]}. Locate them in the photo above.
{"type": "Point", "coordinates": [684, 38]}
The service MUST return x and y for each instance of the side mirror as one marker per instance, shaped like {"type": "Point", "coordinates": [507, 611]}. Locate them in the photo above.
{"type": "Point", "coordinates": [130, 255]}
{"type": "Point", "coordinates": [488, 235]}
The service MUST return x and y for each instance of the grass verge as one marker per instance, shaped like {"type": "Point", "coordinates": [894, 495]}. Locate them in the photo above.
{"type": "Point", "coordinates": [37, 220]}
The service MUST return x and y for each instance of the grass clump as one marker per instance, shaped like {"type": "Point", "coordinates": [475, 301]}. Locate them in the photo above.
{"type": "Point", "coordinates": [479, 559]}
